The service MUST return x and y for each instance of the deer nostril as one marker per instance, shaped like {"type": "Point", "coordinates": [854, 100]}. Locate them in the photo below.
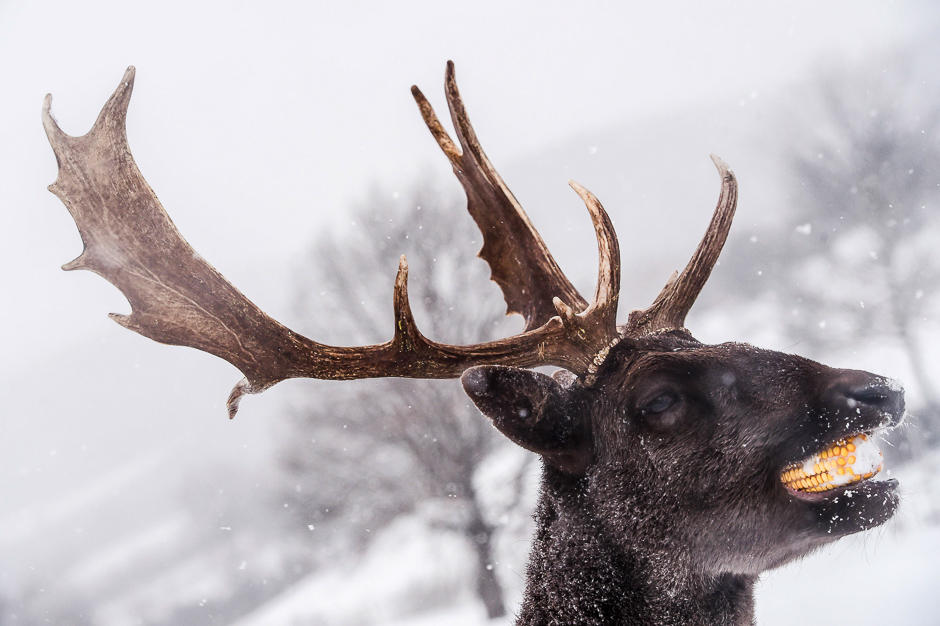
{"type": "Point", "coordinates": [882, 397]}
{"type": "Point", "coordinates": [874, 396]}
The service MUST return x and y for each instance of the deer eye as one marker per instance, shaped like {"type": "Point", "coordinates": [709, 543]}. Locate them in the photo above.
{"type": "Point", "coordinates": [658, 404]}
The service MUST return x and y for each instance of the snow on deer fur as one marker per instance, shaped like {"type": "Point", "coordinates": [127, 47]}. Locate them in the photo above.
{"type": "Point", "coordinates": [674, 472]}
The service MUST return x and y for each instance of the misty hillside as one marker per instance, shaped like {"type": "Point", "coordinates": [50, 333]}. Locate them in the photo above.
{"type": "Point", "coordinates": [141, 499]}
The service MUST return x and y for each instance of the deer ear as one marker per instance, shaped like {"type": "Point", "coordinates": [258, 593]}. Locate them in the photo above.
{"type": "Point", "coordinates": [533, 410]}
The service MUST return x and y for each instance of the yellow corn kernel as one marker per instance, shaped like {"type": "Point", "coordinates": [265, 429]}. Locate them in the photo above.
{"type": "Point", "coordinates": [823, 469]}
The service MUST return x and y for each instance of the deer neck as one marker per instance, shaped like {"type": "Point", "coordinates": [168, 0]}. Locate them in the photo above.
{"type": "Point", "coordinates": [578, 575]}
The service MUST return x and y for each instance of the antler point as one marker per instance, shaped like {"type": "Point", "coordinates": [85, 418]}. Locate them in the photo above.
{"type": "Point", "coordinates": [565, 312]}
{"type": "Point", "coordinates": [589, 198]}
{"type": "Point", "coordinates": [400, 291]}
{"type": "Point", "coordinates": [123, 320]}
{"type": "Point", "coordinates": [241, 388]}
{"type": "Point", "coordinates": [77, 263]}
{"type": "Point", "coordinates": [720, 164]}
{"type": "Point", "coordinates": [450, 78]}
{"type": "Point", "coordinates": [49, 123]}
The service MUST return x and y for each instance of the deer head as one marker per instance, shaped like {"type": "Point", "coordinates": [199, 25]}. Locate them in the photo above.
{"type": "Point", "coordinates": [675, 472]}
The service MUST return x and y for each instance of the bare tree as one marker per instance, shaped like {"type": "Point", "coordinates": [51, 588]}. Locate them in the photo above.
{"type": "Point", "coordinates": [644, 438]}
{"type": "Point", "coordinates": [378, 448]}
{"type": "Point", "coordinates": [862, 258]}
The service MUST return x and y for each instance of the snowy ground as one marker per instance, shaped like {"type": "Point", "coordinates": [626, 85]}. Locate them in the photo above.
{"type": "Point", "coordinates": [154, 562]}
{"type": "Point", "coordinates": [893, 572]}
{"type": "Point", "coordinates": [155, 558]}
{"type": "Point", "coordinates": [408, 568]}
{"type": "Point", "coordinates": [897, 566]}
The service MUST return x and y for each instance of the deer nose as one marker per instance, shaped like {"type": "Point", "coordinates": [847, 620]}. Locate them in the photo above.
{"type": "Point", "coordinates": [861, 390]}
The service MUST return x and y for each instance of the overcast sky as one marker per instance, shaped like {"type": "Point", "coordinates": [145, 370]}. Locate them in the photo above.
{"type": "Point", "coordinates": [257, 123]}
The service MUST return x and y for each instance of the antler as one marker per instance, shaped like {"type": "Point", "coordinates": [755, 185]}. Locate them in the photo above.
{"type": "Point", "coordinates": [178, 298]}
{"type": "Point", "coordinates": [532, 283]}
{"type": "Point", "coordinates": [673, 303]}
{"type": "Point", "coordinates": [519, 259]}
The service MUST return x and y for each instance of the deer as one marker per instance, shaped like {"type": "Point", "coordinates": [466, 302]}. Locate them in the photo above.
{"type": "Point", "coordinates": [673, 472]}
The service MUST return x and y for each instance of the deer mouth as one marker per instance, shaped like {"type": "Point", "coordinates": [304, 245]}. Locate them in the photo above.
{"type": "Point", "coordinates": [850, 460]}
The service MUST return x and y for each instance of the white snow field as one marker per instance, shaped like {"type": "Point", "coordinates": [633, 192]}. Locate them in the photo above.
{"type": "Point", "coordinates": [414, 575]}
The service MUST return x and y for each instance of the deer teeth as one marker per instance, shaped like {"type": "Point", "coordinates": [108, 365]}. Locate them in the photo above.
{"type": "Point", "coordinates": [847, 461]}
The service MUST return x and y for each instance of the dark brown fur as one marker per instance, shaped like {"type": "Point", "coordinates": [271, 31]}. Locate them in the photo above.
{"type": "Point", "coordinates": [669, 517]}
{"type": "Point", "coordinates": [661, 500]}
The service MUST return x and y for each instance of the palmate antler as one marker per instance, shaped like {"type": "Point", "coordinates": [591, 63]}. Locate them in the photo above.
{"type": "Point", "coordinates": [178, 298]}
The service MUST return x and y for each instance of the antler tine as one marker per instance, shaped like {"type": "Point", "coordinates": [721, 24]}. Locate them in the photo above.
{"type": "Point", "coordinates": [111, 119]}
{"type": "Point", "coordinates": [53, 132]}
{"type": "Point", "coordinates": [458, 113]}
{"type": "Point", "coordinates": [114, 113]}
{"type": "Point", "coordinates": [596, 326]}
{"type": "Point", "coordinates": [520, 262]}
{"type": "Point", "coordinates": [407, 336]}
{"type": "Point", "coordinates": [437, 129]}
{"type": "Point", "coordinates": [108, 132]}
{"type": "Point", "coordinates": [673, 303]}
{"type": "Point", "coordinates": [607, 292]}
{"type": "Point", "coordinates": [178, 298]}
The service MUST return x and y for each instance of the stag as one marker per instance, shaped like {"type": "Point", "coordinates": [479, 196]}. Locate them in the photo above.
{"type": "Point", "coordinates": [674, 472]}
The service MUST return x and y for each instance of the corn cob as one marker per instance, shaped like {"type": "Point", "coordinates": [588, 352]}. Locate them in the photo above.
{"type": "Point", "coordinates": [847, 461]}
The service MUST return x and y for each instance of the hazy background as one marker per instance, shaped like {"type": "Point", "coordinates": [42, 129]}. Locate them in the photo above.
{"type": "Point", "coordinates": [127, 497]}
